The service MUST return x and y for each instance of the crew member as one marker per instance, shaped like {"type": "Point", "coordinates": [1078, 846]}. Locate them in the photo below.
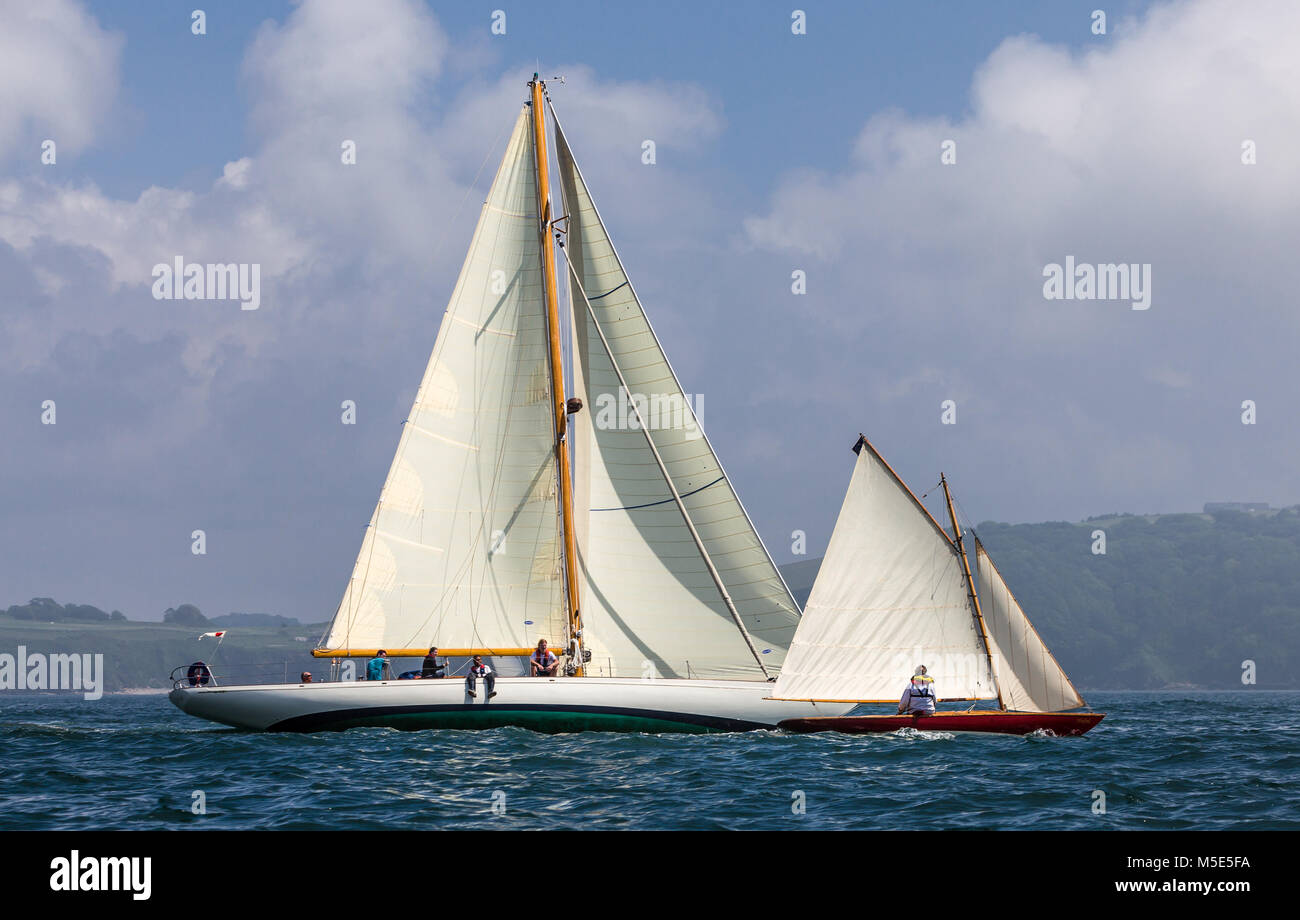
{"type": "Point", "coordinates": [378, 667]}
{"type": "Point", "coordinates": [919, 696]}
{"type": "Point", "coordinates": [431, 667]}
{"type": "Point", "coordinates": [543, 662]}
{"type": "Point", "coordinates": [478, 669]}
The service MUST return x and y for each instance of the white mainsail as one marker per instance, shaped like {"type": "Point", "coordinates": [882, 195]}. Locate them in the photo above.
{"type": "Point", "coordinates": [1028, 675]}
{"type": "Point", "coordinates": [464, 548]}
{"type": "Point", "coordinates": [891, 594]}
{"type": "Point", "coordinates": [648, 598]}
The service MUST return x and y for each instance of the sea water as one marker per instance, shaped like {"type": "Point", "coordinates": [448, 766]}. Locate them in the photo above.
{"type": "Point", "coordinates": [1159, 761]}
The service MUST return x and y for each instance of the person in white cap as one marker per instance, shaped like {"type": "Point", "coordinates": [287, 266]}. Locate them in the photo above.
{"type": "Point", "coordinates": [919, 696]}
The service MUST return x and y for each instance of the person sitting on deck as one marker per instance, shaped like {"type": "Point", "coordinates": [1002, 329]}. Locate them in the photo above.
{"type": "Point", "coordinates": [305, 677]}
{"type": "Point", "coordinates": [543, 662]}
{"type": "Point", "coordinates": [919, 696]}
{"type": "Point", "coordinates": [378, 667]}
{"type": "Point", "coordinates": [478, 669]}
{"type": "Point", "coordinates": [431, 667]}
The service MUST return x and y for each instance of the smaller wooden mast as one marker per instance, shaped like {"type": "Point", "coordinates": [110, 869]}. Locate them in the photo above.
{"type": "Point", "coordinates": [970, 587]}
{"type": "Point", "coordinates": [557, 370]}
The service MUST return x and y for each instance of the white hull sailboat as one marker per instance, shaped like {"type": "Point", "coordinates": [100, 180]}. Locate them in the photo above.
{"type": "Point", "coordinates": [896, 591]}
{"type": "Point", "coordinates": [556, 704]}
{"type": "Point", "coordinates": [602, 523]}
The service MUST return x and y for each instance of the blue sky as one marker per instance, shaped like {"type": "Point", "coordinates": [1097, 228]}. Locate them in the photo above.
{"type": "Point", "coordinates": [777, 153]}
{"type": "Point", "coordinates": [788, 102]}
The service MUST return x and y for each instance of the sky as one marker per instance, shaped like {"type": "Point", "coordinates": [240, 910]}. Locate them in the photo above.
{"type": "Point", "coordinates": [1167, 141]}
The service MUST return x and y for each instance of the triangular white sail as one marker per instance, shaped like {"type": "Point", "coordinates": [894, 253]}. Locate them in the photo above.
{"type": "Point", "coordinates": [649, 603]}
{"type": "Point", "coordinates": [463, 548]}
{"type": "Point", "coordinates": [890, 595]}
{"type": "Point", "coordinates": [1030, 678]}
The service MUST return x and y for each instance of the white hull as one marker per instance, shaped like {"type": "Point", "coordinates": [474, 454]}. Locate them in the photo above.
{"type": "Point", "coordinates": [543, 704]}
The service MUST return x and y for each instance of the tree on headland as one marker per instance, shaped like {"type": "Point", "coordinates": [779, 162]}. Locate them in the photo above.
{"type": "Point", "coordinates": [185, 615]}
{"type": "Point", "coordinates": [48, 610]}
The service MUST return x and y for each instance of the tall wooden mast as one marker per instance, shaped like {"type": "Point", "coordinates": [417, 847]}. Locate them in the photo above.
{"type": "Point", "coordinates": [970, 587]}
{"type": "Point", "coordinates": [557, 369]}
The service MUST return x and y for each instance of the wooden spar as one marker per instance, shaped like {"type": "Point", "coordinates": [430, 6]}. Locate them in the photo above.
{"type": "Point", "coordinates": [970, 586]}
{"type": "Point", "coordinates": [421, 652]}
{"type": "Point", "coordinates": [863, 442]}
{"type": "Point", "coordinates": [557, 368]}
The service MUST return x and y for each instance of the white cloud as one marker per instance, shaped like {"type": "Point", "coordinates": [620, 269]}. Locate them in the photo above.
{"type": "Point", "coordinates": [339, 240]}
{"type": "Point", "coordinates": [1127, 151]}
{"type": "Point", "coordinates": [58, 75]}
{"type": "Point", "coordinates": [235, 174]}
{"type": "Point", "coordinates": [338, 61]}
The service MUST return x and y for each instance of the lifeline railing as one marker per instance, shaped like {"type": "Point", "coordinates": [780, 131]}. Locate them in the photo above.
{"type": "Point", "coordinates": [203, 674]}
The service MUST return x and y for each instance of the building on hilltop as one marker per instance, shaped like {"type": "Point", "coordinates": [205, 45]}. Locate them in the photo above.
{"type": "Point", "coordinates": [1212, 507]}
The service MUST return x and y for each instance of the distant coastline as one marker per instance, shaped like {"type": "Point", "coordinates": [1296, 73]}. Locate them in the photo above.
{"type": "Point", "coordinates": [1169, 603]}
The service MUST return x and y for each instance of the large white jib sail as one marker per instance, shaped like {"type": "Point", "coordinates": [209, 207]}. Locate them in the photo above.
{"type": "Point", "coordinates": [649, 601]}
{"type": "Point", "coordinates": [891, 594]}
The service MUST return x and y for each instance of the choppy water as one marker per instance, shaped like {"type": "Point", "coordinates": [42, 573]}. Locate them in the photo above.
{"type": "Point", "coordinates": [1163, 761]}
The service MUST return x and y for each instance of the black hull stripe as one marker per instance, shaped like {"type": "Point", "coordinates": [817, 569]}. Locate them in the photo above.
{"type": "Point", "coordinates": [317, 721]}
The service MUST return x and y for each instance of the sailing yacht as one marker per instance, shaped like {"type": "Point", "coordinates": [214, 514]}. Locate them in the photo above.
{"type": "Point", "coordinates": [512, 514]}
{"type": "Point", "coordinates": [894, 591]}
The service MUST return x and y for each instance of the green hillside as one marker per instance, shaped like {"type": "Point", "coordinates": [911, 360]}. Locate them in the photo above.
{"type": "Point", "coordinates": [1176, 599]}
{"type": "Point", "coordinates": [143, 654]}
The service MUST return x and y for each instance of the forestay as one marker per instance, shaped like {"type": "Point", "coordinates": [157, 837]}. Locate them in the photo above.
{"type": "Point", "coordinates": [463, 548]}
{"type": "Point", "coordinates": [648, 599]}
{"type": "Point", "coordinates": [1028, 675]}
{"type": "Point", "coordinates": [890, 595]}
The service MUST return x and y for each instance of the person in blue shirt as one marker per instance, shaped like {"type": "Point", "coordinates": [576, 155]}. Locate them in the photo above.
{"type": "Point", "coordinates": [378, 667]}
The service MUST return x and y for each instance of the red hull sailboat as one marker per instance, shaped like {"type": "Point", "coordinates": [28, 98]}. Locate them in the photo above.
{"type": "Point", "coordinates": [897, 590]}
{"type": "Point", "coordinates": [1062, 724]}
